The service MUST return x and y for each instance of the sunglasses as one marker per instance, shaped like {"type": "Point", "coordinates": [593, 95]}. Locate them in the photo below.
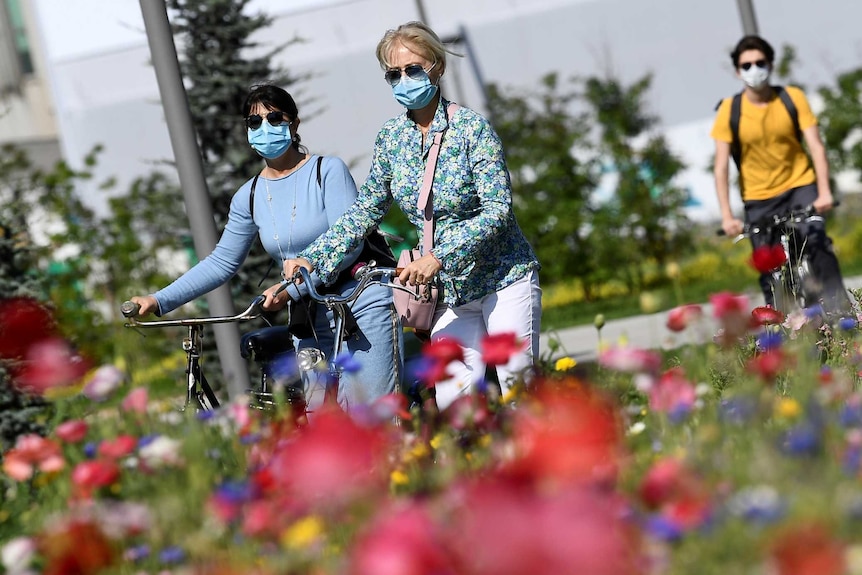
{"type": "Point", "coordinates": [758, 63]}
{"type": "Point", "coordinates": [413, 71]}
{"type": "Point", "coordinates": [274, 118]}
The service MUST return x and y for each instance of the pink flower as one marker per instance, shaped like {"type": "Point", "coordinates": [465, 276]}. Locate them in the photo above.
{"type": "Point", "coordinates": [497, 349]}
{"type": "Point", "coordinates": [681, 317]}
{"type": "Point", "coordinates": [334, 460]}
{"type": "Point", "coordinates": [50, 363]}
{"type": "Point", "coordinates": [103, 382]}
{"type": "Point", "coordinates": [726, 303]}
{"type": "Point", "coordinates": [136, 401]}
{"type": "Point", "coordinates": [401, 541]}
{"type": "Point", "coordinates": [732, 312]}
{"type": "Point", "coordinates": [32, 452]}
{"type": "Point", "coordinates": [672, 392]}
{"type": "Point", "coordinates": [630, 359]}
{"type": "Point", "coordinates": [118, 447]}
{"type": "Point", "coordinates": [72, 431]}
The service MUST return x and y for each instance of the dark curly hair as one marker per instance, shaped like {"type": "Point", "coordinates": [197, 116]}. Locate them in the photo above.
{"type": "Point", "coordinates": [752, 43]}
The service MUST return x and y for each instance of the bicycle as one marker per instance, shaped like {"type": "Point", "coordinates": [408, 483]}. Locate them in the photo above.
{"type": "Point", "coordinates": [793, 280]}
{"type": "Point", "coordinates": [281, 366]}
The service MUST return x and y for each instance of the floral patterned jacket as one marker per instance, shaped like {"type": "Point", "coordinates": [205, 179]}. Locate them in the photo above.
{"type": "Point", "coordinates": [476, 237]}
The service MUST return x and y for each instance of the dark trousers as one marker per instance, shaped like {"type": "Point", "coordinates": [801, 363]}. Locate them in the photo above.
{"type": "Point", "coordinates": [818, 246]}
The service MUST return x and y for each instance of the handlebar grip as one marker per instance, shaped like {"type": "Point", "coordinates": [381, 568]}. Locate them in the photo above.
{"type": "Point", "coordinates": [130, 308]}
{"type": "Point", "coordinates": [720, 232]}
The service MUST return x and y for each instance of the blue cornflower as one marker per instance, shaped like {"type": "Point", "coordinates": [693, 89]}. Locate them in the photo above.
{"type": "Point", "coordinates": [137, 553]}
{"type": "Point", "coordinates": [663, 528]}
{"type": "Point", "coordinates": [147, 439]}
{"type": "Point", "coordinates": [679, 413]}
{"type": "Point", "coordinates": [850, 416]}
{"type": "Point", "coordinates": [347, 362]}
{"type": "Point", "coordinates": [851, 460]}
{"type": "Point", "coordinates": [250, 438]}
{"type": "Point", "coordinates": [481, 386]}
{"type": "Point", "coordinates": [172, 555]}
{"type": "Point", "coordinates": [804, 439]}
{"type": "Point", "coordinates": [90, 449]}
{"type": "Point", "coordinates": [847, 323]}
{"type": "Point", "coordinates": [205, 415]}
{"type": "Point", "coordinates": [234, 491]}
{"type": "Point", "coordinates": [814, 311]}
{"type": "Point", "coordinates": [767, 340]}
{"type": "Point", "coordinates": [760, 505]}
{"type": "Point", "coordinates": [736, 409]}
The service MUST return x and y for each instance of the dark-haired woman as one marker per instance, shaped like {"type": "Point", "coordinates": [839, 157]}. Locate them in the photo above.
{"type": "Point", "coordinates": [297, 197]}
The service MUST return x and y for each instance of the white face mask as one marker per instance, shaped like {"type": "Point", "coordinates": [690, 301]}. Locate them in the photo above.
{"type": "Point", "coordinates": [755, 77]}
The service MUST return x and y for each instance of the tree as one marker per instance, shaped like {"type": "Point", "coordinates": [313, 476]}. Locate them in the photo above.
{"type": "Point", "coordinates": [645, 214]}
{"type": "Point", "coordinates": [551, 184]}
{"type": "Point", "coordinates": [220, 62]}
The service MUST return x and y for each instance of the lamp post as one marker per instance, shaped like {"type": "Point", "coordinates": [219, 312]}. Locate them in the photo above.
{"type": "Point", "coordinates": [192, 180]}
{"type": "Point", "coordinates": [746, 14]}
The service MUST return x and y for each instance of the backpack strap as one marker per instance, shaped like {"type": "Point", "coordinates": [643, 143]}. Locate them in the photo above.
{"type": "Point", "coordinates": [791, 109]}
{"type": "Point", "coordinates": [251, 196]}
{"type": "Point", "coordinates": [735, 146]}
{"type": "Point", "coordinates": [319, 177]}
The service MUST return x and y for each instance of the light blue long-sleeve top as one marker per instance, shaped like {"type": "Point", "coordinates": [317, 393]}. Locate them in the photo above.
{"type": "Point", "coordinates": [289, 214]}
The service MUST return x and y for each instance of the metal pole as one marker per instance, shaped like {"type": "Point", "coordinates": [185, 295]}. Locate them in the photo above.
{"type": "Point", "coordinates": [423, 17]}
{"type": "Point", "coordinates": [749, 20]}
{"type": "Point", "coordinates": [192, 180]}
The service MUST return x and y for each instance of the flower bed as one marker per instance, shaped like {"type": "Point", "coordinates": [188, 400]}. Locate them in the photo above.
{"type": "Point", "coordinates": [741, 456]}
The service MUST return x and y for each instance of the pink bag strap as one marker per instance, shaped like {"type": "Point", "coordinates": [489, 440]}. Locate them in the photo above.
{"type": "Point", "coordinates": [425, 202]}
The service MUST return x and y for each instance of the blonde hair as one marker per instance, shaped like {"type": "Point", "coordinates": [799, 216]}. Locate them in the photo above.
{"type": "Point", "coordinates": [417, 36]}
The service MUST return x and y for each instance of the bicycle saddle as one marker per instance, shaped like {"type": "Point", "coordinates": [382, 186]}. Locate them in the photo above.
{"type": "Point", "coordinates": [266, 343]}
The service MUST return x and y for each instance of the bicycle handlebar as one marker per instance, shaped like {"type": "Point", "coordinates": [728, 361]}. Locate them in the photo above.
{"type": "Point", "coordinates": [130, 310]}
{"type": "Point", "coordinates": [805, 214]}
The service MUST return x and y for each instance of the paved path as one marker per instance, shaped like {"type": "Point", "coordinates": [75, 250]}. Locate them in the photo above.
{"type": "Point", "coordinates": [646, 331]}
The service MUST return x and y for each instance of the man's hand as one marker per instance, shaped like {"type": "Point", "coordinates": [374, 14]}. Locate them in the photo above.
{"type": "Point", "coordinates": [275, 302]}
{"type": "Point", "coordinates": [291, 266]}
{"type": "Point", "coordinates": [421, 271]}
{"type": "Point", "coordinates": [824, 201]}
{"type": "Point", "coordinates": [732, 226]}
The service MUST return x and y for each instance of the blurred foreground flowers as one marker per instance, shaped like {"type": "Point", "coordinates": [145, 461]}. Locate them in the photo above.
{"type": "Point", "coordinates": [740, 456]}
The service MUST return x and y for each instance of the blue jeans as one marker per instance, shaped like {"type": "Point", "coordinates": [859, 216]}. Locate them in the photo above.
{"type": "Point", "coordinates": [376, 347]}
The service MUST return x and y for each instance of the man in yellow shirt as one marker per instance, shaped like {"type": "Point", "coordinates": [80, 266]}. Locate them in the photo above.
{"type": "Point", "coordinates": [763, 129]}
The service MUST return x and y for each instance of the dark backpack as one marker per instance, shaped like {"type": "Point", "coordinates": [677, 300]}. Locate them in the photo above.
{"type": "Point", "coordinates": [735, 113]}
{"type": "Point", "coordinates": [376, 247]}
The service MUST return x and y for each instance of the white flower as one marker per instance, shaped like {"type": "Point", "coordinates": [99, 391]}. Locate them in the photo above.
{"type": "Point", "coordinates": [102, 383]}
{"type": "Point", "coordinates": [637, 428]}
{"type": "Point", "coordinates": [17, 554]}
{"type": "Point", "coordinates": [161, 452]}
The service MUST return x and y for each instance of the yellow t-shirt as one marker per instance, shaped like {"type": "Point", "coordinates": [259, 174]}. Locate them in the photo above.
{"type": "Point", "coordinates": [773, 160]}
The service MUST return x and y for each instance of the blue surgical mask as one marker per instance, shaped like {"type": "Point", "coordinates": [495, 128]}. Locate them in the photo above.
{"type": "Point", "coordinates": [414, 94]}
{"type": "Point", "coordinates": [270, 141]}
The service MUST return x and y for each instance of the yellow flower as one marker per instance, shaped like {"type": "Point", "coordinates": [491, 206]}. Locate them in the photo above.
{"type": "Point", "coordinates": [650, 302]}
{"type": "Point", "coordinates": [302, 533]}
{"type": "Point", "coordinates": [672, 270]}
{"type": "Point", "coordinates": [436, 441]}
{"type": "Point", "coordinates": [788, 408]}
{"type": "Point", "coordinates": [418, 451]}
{"type": "Point", "coordinates": [398, 477]}
{"type": "Point", "coordinates": [565, 364]}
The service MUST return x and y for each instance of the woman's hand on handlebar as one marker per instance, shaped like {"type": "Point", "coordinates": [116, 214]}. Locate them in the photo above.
{"type": "Point", "coordinates": [732, 226]}
{"type": "Point", "coordinates": [147, 304]}
{"type": "Point", "coordinates": [421, 271]}
{"type": "Point", "coordinates": [291, 266]}
{"type": "Point", "coordinates": [275, 299]}
{"type": "Point", "coordinates": [824, 202]}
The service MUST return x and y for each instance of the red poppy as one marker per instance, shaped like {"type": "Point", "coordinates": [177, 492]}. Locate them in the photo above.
{"type": "Point", "coordinates": [23, 322]}
{"type": "Point", "coordinates": [497, 349]}
{"type": "Point", "coordinates": [769, 364]}
{"type": "Point", "coordinates": [808, 550]}
{"type": "Point", "coordinates": [118, 447]}
{"type": "Point", "coordinates": [768, 258]}
{"type": "Point", "coordinates": [765, 315]}
{"type": "Point", "coordinates": [680, 317]}
{"type": "Point", "coordinates": [444, 350]}
{"type": "Point", "coordinates": [79, 547]}
{"type": "Point", "coordinates": [91, 475]}
{"type": "Point", "coordinates": [50, 363]}
{"type": "Point", "coordinates": [72, 431]}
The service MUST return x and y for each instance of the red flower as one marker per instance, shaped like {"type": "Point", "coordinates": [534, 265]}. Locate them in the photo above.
{"type": "Point", "coordinates": [768, 258]}
{"type": "Point", "coordinates": [497, 349]}
{"type": "Point", "coordinates": [765, 315]}
{"type": "Point", "coordinates": [72, 431]}
{"type": "Point", "coordinates": [677, 492]}
{"type": "Point", "coordinates": [50, 363]}
{"type": "Point", "coordinates": [680, 317]}
{"type": "Point", "coordinates": [672, 391]}
{"type": "Point", "coordinates": [119, 447]}
{"type": "Point", "coordinates": [23, 322]}
{"type": "Point", "coordinates": [728, 304]}
{"type": "Point", "coordinates": [769, 364]}
{"type": "Point", "coordinates": [79, 548]}
{"type": "Point", "coordinates": [32, 452]}
{"type": "Point", "coordinates": [444, 350]}
{"type": "Point", "coordinates": [90, 475]}
{"type": "Point", "coordinates": [808, 550]}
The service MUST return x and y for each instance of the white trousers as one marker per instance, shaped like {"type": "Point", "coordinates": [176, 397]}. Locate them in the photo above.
{"type": "Point", "coordinates": [514, 309]}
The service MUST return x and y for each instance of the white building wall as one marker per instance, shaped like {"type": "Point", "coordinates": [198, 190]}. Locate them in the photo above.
{"type": "Point", "coordinates": [106, 92]}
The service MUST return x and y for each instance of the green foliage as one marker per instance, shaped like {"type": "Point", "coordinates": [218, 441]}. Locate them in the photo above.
{"type": "Point", "coordinates": [220, 62]}
{"type": "Point", "coordinates": [841, 120]}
